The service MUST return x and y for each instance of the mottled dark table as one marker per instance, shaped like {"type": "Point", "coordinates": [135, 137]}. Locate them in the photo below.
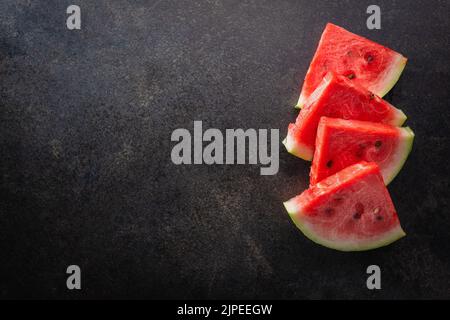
{"type": "Point", "coordinates": [86, 175]}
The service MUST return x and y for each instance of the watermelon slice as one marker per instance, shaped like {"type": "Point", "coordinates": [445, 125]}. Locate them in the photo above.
{"type": "Point", "coordinates": [341, 143]}
{"type": "Point", "coordinates": [337, 97]}
{"type": "Point", "coordinates": [365, 62]}
{"type": "Point", "coordinates": [348, 211]}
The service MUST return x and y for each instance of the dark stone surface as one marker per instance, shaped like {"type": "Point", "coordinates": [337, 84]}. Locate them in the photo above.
{"type": "Point", "coordinates": [85, 142]}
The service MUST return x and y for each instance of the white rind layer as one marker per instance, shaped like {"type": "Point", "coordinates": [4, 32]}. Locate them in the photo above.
{"type": "Point", "coordinates": [390, 76]}
{"type": "Point", "coordinates": [398, 159]}
{"type": "Point", "coordinates": [297, 149]}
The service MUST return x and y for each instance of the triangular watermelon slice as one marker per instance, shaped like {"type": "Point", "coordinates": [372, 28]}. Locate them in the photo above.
{"type": "Point", "coordinates": [348, 211]}
{"type": "Point", "coordinates": [341, 143]}
{"type": "Point", "coordinates": [365, 62]}
{"type": "Point", "coordinates": [337, 97]}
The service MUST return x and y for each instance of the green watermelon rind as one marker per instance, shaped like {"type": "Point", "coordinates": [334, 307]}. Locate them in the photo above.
{"type": "Point", "coordinates": [388, 238]}
{"type": "Point", "coordinates": [403, 151]}
{"type": "Point", "coordinates": [297, 149]}
{"type": "Point", "coordinates": [392, 77]}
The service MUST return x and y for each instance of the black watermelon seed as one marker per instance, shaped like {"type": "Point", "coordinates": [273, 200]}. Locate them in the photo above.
{"type": "Point", "coordinates": [329, 163]}
{"type": "Point", "coordinates": [329, 211]}
{"type": "Point", "coordinates": [369, 58]}
{"type": "Point", "coordinates": [378, 143]}
{"type": "Point", "coordinates": [338, 200]}
{"type": "Point", "coordinates": [359, 210]}
{"type": "Point", "coordinates": [356, 215]}
{"type": "Point", "coordinates": [351, 76]}
{"type": "Point", "coordinates": [371, 96]}
{"type": "Point", "coordinates": [379, 218]}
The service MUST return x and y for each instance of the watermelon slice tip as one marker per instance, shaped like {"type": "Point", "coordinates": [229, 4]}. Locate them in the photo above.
{"type": "Point", "coordinates": [296, 148]}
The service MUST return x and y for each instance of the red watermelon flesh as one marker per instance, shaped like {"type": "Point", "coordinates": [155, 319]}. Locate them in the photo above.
{"type": "Point", "coordinates": [365, 62]}
{"type": "Point", "coordinates": [337, 97]}
{"type": "Point", "coordinates": [341, 143]}
{"type": "Point", "coordinates": [348, 211]}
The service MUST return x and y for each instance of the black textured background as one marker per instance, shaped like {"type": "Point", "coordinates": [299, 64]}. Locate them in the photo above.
{"type": "Point", "coordinates": [86, 175]}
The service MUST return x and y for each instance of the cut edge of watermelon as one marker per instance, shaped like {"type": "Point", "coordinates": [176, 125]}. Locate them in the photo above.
{"type": "Point", "coordinates": [399, 118]}
{"type": "Point", "coordinates": [387, 238]}
{"type": "Point", "coordinates": [317, 92]}
{"type": "Point", "coordinates": [403, 151]}
{"type": "Point", "coordinates": [391, 78]}
{"type": "Point", "coordinates": [300, 102]}
{"type": "Point", "coordinates": [297, 149]}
